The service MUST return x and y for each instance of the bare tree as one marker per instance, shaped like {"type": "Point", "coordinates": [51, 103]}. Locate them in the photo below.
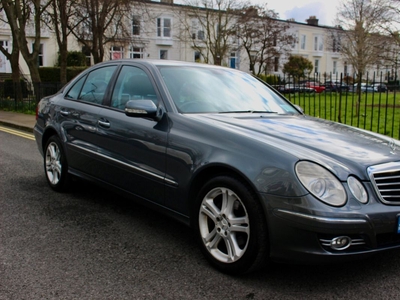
{"type": "Point", "coordinates": [60, 15]}
{"type": "Point", "coordinates": [25, 20]}
{"type": "Point", "coordinates": [14, 55]}
{"type": "Point", "coordinates": [100, 22]}
{"type": "Point", "coordinates": [264, 38]}
{"type": "Point", "coordinates": [210, 28]}
{"type": "Point", "coordinates": [390, 54]}
{"type": "Point", "coordinates": [359, 31]}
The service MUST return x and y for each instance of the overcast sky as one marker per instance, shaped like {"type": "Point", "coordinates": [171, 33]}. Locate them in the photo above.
{"type": "Point", "coordinates": [300, 10]}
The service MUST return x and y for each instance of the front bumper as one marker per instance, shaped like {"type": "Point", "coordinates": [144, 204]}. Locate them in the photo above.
{"type": "Point", "coordinates": [302, 232]}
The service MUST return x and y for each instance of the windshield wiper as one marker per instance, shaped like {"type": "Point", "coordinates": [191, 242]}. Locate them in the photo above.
{"type": "Point", "coordinates": [263, 112]}
{"type": "Point", "coordinates": [248, 112]}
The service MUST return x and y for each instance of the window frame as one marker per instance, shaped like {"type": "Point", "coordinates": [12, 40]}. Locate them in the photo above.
{"type": "Point", "coordinates": [163, 52]}
{"type": "Point", "coordinates": [40, 58]}
{"type": "Point", "coordinates": [136, 25]}
{"type": "Point", "coordinates": [136, 51]}
{"type": "Point", "coordinates": [83, 81]}
{"type": "Point", "coordinates": [116, 50]}
{"type": "Point", "coordinates": [316, 66]}
{"type": "Point", "coordinates": [303, 41]}
{"type": "Point", "coordinates": [162, 29]}
{"type": "Point", "coordinates": [120, 93]}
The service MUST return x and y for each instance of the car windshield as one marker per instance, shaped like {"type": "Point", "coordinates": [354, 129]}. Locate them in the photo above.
{"type": "Point", "coordinates": [220, 90]}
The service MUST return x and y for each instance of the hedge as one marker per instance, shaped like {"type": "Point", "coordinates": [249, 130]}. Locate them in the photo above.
{"type": "Point", "coordinates": [52, 74]}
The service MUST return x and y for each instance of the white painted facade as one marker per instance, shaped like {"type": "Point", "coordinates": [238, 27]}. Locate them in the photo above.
{"type": "Point", "coordinates": [157, 34]}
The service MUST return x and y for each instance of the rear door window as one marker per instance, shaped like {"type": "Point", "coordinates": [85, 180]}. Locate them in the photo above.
{"type": "Point", "coordinates": [92, 87]}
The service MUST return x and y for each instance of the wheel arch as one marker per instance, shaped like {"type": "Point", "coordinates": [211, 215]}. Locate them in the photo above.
{"type": "Point", "coordinates": [49, 132]}
{"type": "Point", "coordinates": [205, 175]}
{"type": "Point", "coordinates": [259, 248]}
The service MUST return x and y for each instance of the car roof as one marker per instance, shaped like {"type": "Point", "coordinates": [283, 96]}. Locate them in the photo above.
{"type": "Point", "coordinates": [163, 62]}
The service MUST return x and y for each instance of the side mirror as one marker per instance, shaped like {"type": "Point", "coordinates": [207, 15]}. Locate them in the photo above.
{"type": "Point", "coordinates": [143, 109]}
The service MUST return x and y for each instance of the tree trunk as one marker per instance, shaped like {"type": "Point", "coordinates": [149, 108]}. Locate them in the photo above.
{"type": "Point", "coordinates": [16, 76]}
{"type": "Point", "coordinates": [63, 63]}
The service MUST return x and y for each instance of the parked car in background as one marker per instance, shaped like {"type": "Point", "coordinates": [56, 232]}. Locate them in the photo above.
{"type": "Point", "coordinates": [288, 88]}
{"type": "Point", "coordinates": [335, 86]}
{"type": "Point", "coordinates": [380, 87]}
{"type": "Point", "coordinates": [364, 88]}
{"type": "Point", "coordinates": [291, 88]}
{"type": "Point", "coordinates": [316, 86]}
{"type": "Point", "coordinates": [220, 151]}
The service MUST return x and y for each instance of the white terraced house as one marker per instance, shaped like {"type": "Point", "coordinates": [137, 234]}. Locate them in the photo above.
{"type": "Point", "coordinates": [165, 30]}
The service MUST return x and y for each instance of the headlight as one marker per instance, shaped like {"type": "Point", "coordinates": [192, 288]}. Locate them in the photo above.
{"type": "Point", "coordinates": [321, 183]}
{"type": "Point", "coordinates": [357, 189]}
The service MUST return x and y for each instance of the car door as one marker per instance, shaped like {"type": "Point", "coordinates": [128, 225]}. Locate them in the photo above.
{"type": "Point", "coordinates": [79, 113]}
{"type": "Point", "coordinates": [134, 148]}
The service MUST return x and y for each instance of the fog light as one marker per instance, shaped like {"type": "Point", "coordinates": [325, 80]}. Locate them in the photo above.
{"type": "Point", "coordinates": [341, 243]}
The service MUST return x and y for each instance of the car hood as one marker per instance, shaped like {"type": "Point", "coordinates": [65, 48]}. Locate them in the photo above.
{"type": "Point", "coordinates": [343, 149]}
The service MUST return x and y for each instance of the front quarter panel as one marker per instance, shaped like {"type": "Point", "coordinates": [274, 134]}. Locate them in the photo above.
{"type": "Point", "coordinates": [198, 150]}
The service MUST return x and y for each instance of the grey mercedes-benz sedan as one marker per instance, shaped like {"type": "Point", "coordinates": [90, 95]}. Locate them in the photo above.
{"type": "Point", "coordinates": [223, 152]}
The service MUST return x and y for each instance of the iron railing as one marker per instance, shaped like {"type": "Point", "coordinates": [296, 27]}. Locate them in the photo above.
{"type": "Point", "coordinates": [23, 97]}
{"type": "Point", "coordinates": [370, 102]}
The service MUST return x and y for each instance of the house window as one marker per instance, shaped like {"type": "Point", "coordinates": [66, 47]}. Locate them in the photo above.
{"type": "Point", "coordinates": [303, 42]}
{"type": "Point", "coordinates": [295, 38]}
{"type": "Point", "coordinates": [232, 60]}
{"type": "Point", "coordinates": [318, 43]}
{"type": "Point", "coordinates": [4, 44]}
{"type": "Point", "coordinates": [276, 64]}
{"type": "Point", "coordinates": [316, 66]}
{"type": "Point", "coordinates": [136, 52]}
{"type": "Point", "coordinates": [86, 51]}
{"type": "Point", "coordinates": [3, 59]}
{"type": "Point", "coordinates": [164, 27]}
{"type": "Point", "coordinates": [116, 53]}
{"type": "Point", "coordinates": [335, 44]}
{"type": "Point", "coordinates": [86, 26]}
{"type": "Point", "coordinates": [136, 25]}
{"type": "Point", "coordinates": [334, 67]}
{"type": "Point", "coordinates": [194, 29]}
{"type": "Point", "coordinates": [345, 68]}
{"type": "Point", "coordinates": [200, 35]}
{"type": "Point", "coordinates": [163, 54]}
{"type": "Point", "coordinates": [40, 56]}
{"type": "Point", "coordinates": [197, 56]}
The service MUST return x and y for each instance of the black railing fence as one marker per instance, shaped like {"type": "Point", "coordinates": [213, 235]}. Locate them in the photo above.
{"type": "Point", "coordinates": [371, 102]}
{"type": "Point", "coordinates": [23, 96]}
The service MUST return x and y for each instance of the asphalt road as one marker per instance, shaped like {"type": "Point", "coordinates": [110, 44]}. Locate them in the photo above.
{"type": "Point", "coordinates": [91, 244]}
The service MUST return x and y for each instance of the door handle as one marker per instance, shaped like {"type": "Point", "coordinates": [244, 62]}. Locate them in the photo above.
{"type": "Point", "coordinates": [64, 113]}
{"type": "Point", "coordinates": [104, 123]}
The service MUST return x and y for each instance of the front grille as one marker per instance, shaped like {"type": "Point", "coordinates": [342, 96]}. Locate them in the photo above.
{"type": "Point", "coordinates": [386, 181]}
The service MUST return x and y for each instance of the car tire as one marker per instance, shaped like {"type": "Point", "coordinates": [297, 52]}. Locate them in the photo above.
{"type": "Point", "coordinates": [55, 165]}
{"type": "Point", "coordinates": [231, 226]}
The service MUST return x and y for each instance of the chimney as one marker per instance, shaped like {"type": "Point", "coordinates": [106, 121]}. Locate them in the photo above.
{"type": "Point", "coordinates": [312, 20]}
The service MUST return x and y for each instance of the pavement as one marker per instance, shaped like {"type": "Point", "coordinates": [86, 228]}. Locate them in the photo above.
{"type": "Point", "coordinates": [16, 120]}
